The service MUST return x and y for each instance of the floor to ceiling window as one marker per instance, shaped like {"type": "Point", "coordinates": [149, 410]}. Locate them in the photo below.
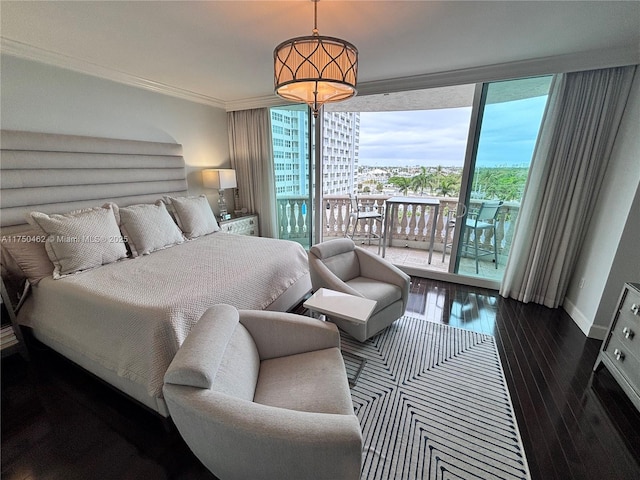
{"type": "Point", "coordinates": [465, 146]}
{"type": "Point", "coordinates": [509, 115]}
{"type": "Point", "coordinates": [293, 167]}
{"type": "Point", "coordinates": [462, 145]}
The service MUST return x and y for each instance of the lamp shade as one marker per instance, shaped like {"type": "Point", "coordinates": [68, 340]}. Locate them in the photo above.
{"type": "Point", "coordinates": [315, 69]}
{"type": "Point", "coordinates": [219, 179]}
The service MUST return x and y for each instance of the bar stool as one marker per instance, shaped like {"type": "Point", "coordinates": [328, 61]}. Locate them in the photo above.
{"type": "Point", "coordinates": [356, 214]}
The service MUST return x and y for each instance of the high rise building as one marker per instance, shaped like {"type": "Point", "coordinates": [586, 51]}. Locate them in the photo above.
{"type": "Point", "coordinates": [340, 152]}
{"type": "Point", "coordinates": [341, 137]}
{"type": "Point", "coordinates": [290, 136]}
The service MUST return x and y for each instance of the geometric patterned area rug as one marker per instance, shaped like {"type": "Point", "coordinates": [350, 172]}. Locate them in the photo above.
{"type": "Point", "coordinates": [433, 404]}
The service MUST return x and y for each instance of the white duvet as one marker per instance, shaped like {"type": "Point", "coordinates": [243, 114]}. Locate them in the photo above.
{"type": "Point", "coordinates": [132, 316]}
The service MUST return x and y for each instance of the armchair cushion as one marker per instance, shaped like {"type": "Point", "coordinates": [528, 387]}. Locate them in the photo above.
{"type": "Point", "coordinates": [383, 293]}
{"type": "Point", "coordinates": [320, 383]}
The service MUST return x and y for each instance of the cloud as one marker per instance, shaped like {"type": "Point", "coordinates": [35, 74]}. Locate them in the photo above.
{"type": "Point", "coordinates": [439, 137]}
{"type": "Point", "coordinates": [418, 137]}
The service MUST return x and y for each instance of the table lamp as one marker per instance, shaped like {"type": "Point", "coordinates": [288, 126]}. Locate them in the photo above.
{"type": "Point", "coordinates": [220, 179]}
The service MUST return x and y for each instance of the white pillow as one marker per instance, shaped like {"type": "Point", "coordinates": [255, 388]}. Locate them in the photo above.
{"type": "Point", "coordinates": [28, 251]}
{"type": "Point", "coordinates": [80, 240]}
{"type": "Point", "coordinates": [149, 227]}
{"type": "Point", "coordinates": [193, 215]}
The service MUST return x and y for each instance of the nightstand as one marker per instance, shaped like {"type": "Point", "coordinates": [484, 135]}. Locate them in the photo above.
{"type": "Point", "coordinates": [11, 335]}
{"type": "Point", "coordinates": [245, 225]}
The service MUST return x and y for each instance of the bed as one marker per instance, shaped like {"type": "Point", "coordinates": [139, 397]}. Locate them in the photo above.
{"type": "Point", "coordinates": [124, 320]}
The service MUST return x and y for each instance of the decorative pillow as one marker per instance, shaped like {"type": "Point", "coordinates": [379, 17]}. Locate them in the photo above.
{"type": "Point", "coordinates": [27, 250]}
{"type": "Point", "coordinates": [193, 215]}
{"type": "Point", "coordinates": [149, 227]}
{"type": "Point", "coordinates": [116, 210]}
{"type": "Point", "coordinates": [80, 240]}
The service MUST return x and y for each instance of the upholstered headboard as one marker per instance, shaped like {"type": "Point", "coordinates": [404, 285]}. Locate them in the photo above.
{"type": "Point", "coordinates": [59, 173]}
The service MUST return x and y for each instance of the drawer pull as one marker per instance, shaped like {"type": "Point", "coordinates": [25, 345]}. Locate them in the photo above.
{"type": "Point", "coordinates": [628, 333]}
{"type": "Point", "coordinates": [635, 309]}
{"type": "Point", "coordinates": [618, 354]}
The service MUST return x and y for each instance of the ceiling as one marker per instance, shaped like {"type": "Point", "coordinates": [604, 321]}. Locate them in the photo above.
{"type": "Point", "coordinates": [220, 52]}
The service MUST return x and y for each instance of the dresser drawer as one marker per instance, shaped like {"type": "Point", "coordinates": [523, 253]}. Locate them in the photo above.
{"type": "Point", "coordinates": [620, 351]}
{"type": "Point", "coordinates": [627, 325]}
{"type": "Point", "coordinates": [624, 360]}
{"type": "Point", "coordinates": [627, 331]}
{"type": "Point", "coordinates": [242, 226]}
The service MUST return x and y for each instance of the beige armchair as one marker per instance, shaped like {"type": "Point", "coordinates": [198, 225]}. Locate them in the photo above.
{"type": "Point", "coordinates": [264, 395]}
{"type": "Point", "coordinates": [340, 265]}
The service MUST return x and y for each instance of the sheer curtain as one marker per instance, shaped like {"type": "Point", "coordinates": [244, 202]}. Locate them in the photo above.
{"type": "Point", "coordinates": [578, 131]}
{"type": "Point", "coordinates": [251, 156]}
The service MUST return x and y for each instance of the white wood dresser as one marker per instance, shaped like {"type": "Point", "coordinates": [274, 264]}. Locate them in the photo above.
{"type": "Point", "coordinates": [620, 351]}
{"type": "Point", "coordinates": [245, 225]}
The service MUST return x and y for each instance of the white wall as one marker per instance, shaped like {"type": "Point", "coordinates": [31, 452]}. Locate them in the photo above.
{"type": "Point", "coordinates": [41, 98]}
{"type": "Point", "coordinates": [610, 255]}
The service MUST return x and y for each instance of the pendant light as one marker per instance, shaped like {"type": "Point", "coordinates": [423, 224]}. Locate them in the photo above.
{"type": "Point", "coordinates": [315, 69]}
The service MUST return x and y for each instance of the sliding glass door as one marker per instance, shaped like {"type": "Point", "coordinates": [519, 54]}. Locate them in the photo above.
{"type": "Point", "coordinates": [413, 145]}
{"type": "Point", "coordinates": [464, 146]}
{"type": "Point", "coordinates": [505, 123]}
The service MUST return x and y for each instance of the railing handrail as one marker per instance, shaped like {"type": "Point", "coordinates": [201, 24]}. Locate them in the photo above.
{"type": "Point", "coordinates": [370, 196]}
{"type": "Point", "coordinates": [413, 230]}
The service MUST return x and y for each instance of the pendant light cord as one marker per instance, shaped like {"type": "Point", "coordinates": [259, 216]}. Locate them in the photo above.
{"type": "Point", "coordinates": [315, 17]}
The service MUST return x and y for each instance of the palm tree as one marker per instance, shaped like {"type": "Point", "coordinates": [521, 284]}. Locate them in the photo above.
{"type": "Point", "coordinates": [422, 181]}
{"type": "Point", "coordinates": [403, 183]}
{"type": "Point", "coordinates": [446, 187]}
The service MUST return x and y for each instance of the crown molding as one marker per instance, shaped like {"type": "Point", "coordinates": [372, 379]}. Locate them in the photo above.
{"type": "Point", "coordinates": [573, 62]}
{"type": "Point", "coordinates": [611, 57]}
{"type": "Point", "coordinates": [257, 102]}
{"type": "Point", "coordinates": [539, 66]}
{"type": "Point", "coordinates": [29, 52]}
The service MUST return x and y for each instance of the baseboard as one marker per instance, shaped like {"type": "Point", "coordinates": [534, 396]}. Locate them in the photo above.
{"type": "Point", "coordinates": [598, 332]}
{"type": "Point", "coordinates": [588, 328]}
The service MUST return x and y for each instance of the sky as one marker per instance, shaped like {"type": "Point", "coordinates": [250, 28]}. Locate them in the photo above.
{"type": "Point", "coordinates": [439, 137]}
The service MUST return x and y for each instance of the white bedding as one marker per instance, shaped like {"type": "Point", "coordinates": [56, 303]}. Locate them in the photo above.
{"type": "Point", "coordinates": [132, 316]}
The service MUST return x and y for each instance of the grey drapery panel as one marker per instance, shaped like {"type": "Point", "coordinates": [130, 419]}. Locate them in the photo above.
{"type": "Point", "coordinates": [251, 155]}
{"type": "Point", "coordinates": [577, 135]}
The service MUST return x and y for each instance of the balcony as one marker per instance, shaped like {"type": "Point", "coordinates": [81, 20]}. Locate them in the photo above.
{"type": "Point", "coordinates": [411, 234]}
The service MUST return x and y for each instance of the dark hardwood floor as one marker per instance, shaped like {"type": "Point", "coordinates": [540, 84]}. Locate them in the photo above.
{"type": "Point", "coordinates": [59, 422]}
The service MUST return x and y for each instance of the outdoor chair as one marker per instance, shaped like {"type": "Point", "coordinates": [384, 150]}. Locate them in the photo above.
{"type": "Point", "coordinates": [478, 223]}
{"type": "Point", "coordinates": [356, 214]}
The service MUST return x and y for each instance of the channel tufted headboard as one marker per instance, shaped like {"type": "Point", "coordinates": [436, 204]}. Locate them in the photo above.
{"type": "Point", "coordinates": [54, 173]}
